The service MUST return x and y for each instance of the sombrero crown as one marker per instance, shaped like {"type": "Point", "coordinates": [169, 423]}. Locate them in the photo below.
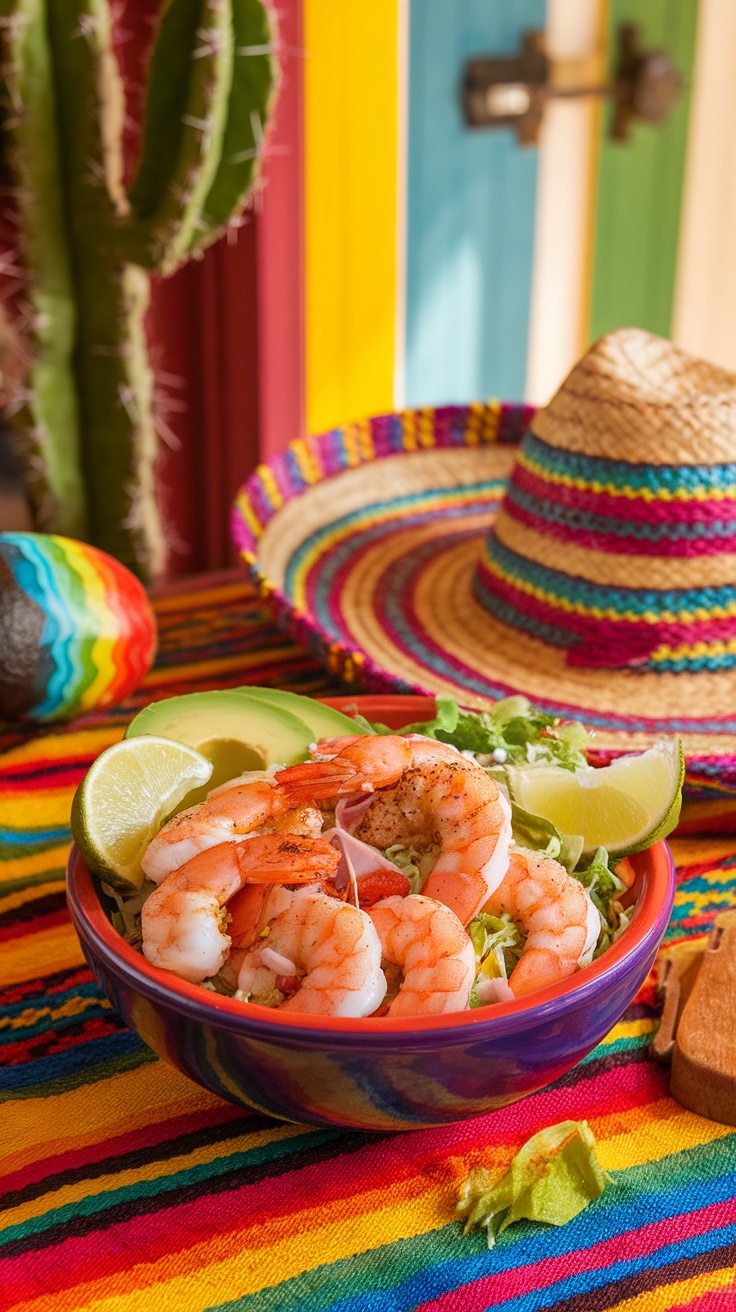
{"type": "Point", "coordinates": [616, 540]}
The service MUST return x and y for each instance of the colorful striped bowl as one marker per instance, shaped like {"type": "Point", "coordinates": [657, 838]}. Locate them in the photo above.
{"type": "Point", "coordinates": [381, 1074]}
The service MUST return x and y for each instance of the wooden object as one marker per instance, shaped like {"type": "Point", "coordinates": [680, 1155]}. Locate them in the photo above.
{"type": "Point", "coordinates": [703, 1076]}
{"type": "Point", "coordinates": [677, 971]}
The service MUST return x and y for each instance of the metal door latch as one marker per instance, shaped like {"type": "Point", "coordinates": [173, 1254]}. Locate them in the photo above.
{"type": "Point", "coordinates": [512, 91]}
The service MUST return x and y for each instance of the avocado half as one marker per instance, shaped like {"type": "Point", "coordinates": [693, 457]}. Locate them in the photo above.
{"type": "Point", "coordinates": [234, 731]}
{"type": "Point", "coordinates": [324, 721]}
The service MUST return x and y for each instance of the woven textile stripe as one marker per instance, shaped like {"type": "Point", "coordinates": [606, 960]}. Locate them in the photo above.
{"type": "Point", "coordinates": [126, 1187]}
{"type": "Point", "coordinates": [315, 571]}
{"type": "Point", "coordinates": [596, 521]}
{"type": "Point", "coordinates": [684, 629]}
{"type": "Point", "coordinates": [560, 504]}
{"type": "Point", "coordinates": [668, 484]}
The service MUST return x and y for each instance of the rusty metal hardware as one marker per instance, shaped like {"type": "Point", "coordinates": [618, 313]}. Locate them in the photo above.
{"type": "Point", "coordinates": [512, 91]}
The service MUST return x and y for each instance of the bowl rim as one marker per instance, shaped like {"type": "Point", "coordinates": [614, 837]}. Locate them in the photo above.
{"type": "Point", "coordinates": [655, 865]}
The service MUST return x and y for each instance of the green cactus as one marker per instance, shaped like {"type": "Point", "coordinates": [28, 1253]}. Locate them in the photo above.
{"type": "Point", "coordinates": [88, 243]}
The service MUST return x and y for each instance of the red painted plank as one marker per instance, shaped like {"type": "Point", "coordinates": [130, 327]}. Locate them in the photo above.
{"type": "Point", "coordinates": [280, 250]}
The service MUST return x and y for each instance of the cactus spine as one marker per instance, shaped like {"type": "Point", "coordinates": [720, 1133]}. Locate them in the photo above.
{"type": "Point", "coordinates": [88, 244]}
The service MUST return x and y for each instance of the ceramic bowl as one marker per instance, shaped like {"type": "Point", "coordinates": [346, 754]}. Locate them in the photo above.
{"type": "Point", "coordinates": [380, 1074]}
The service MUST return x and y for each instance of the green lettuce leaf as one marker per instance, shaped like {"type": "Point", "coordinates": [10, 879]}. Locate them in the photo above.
{"type": "Point", "coordinates": [541, 835]}
{"type": "Point", "coordinates": [605, 889]}
{"type": "Point", "coordinates": [407, 859]}
{"type": "Point", "coordinates": [513, 731]}
{"type": "Point", "coordinates": [446, 716]}
{"type": "Point", "coordinates": [370, 726]}
{"type": "Point", "coordinates": [600, 880]}
{"type": "Point", "coordinates": [498, 944]}
{"type": "Point", "coordinates": [552, 1178]}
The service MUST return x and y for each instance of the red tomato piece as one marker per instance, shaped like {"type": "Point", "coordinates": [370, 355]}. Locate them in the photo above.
{"type": "Point", "coordinates": [381, 883]}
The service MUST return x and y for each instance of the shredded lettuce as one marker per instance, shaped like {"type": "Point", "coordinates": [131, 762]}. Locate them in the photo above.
{"type": "Point", "coordinates": [497, 937]}
{"type": "Point", "coordinates": [407, 859]}
{"type": "Point", "coordinates": [541, 835]}
{"type": "Point", "coordinates": [498, 944]}
{"type": "Point", "coordinates": [127, 918]}
{"type": "Point", "coordinates": [605, 889]}
{"type": "Point", "coordinates": [368, 726]}
{"type": "Point", "coordinates": [273, 998]}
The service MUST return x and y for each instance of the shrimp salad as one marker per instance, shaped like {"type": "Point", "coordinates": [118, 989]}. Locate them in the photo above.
{"type": "Point", "coordinates": [388, 875]}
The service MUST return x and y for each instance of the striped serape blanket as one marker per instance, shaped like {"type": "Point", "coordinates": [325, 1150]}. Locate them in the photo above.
{"type": "Point", "coordinates": [129, 1189]}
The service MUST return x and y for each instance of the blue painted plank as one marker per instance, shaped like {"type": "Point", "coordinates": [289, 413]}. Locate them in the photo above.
{"type": "Point", "coordinates": [470, 213]}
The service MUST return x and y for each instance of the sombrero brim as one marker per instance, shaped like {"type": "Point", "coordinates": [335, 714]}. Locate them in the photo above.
{"type": "Point", "coordinates": [366, 540]}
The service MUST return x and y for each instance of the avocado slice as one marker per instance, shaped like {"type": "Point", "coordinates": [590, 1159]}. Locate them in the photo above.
{"type": "Point", "coordinates": [234, 731]}
{"type": "Point", "coordinates": [324, 721]}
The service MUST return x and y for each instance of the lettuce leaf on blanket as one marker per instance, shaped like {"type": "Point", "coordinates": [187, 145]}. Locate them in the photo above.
{"type": "Point", "coordinates": [552, 1178]}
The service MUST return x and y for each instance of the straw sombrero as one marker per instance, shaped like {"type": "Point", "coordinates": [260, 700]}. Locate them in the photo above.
{"type": "Point", "coordinates": [584, 555]}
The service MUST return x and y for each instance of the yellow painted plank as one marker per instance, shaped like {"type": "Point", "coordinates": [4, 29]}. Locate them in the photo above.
{"type": "Point", "coordinates": [350, 106]}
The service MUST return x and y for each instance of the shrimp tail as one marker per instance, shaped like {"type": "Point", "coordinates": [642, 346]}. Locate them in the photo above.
{"type": "Point", "coordinates": [359, 765]}
{"type": "Point", "coordinates": [315, 781]}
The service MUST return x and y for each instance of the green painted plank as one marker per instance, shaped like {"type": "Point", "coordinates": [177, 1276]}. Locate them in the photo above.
{"type": "Point", "coordinates": [640, 182]}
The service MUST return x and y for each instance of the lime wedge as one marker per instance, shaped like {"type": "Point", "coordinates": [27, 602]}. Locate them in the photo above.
{"type": "Point", "coordinates": [624, 807]}
{"type": "Point", "coordinates": [124, 798]}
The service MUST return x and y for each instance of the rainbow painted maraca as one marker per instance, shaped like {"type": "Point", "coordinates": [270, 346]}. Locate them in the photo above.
{"type": "Point", "coordinates": [76, 628]}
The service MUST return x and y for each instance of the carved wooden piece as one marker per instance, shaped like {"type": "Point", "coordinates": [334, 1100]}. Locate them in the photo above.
{"type": "Point", "coordinates": [677, 971]}
{"type": "Point", "coordinates": [703, 1076]}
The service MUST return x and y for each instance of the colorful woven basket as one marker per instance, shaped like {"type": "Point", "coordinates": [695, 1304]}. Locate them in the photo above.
{"type": "Point", "coordinates": [604, 588]}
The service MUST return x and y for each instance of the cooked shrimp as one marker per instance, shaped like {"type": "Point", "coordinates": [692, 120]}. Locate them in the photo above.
{"type": "Point", "coordinates": [249, 911]}
{"type": "Point", "coordinates": [356, 765]}
{"type": "Point", "coordinates": [427, 795]}
{"type": "Point", "coordinates": [331, 951]}
{"type": "Point", "coordinates": [556, 914]}
{"type": "Point", "coordinates": [182, 921]}
{"type": "Point", "coordinates": [428, 942]}
{"type": "Point", "coordinates": [252, 802]}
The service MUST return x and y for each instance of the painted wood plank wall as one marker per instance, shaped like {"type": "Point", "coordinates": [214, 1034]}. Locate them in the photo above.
{"type": "Point", "coordinates": [637, 219]}
{"type": "Point", "coordinates": [705, 303]}
{"type": "Point", "coordinates": [350, 106]}
{"type": "Point", "coordinates": [422, 238]}
{"type": "Point", "coordinates": [568, 159]}
{"type": "Point", "coordinates": [280, 248]}
{"type": "Point", "coordinates": [470, 213]}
